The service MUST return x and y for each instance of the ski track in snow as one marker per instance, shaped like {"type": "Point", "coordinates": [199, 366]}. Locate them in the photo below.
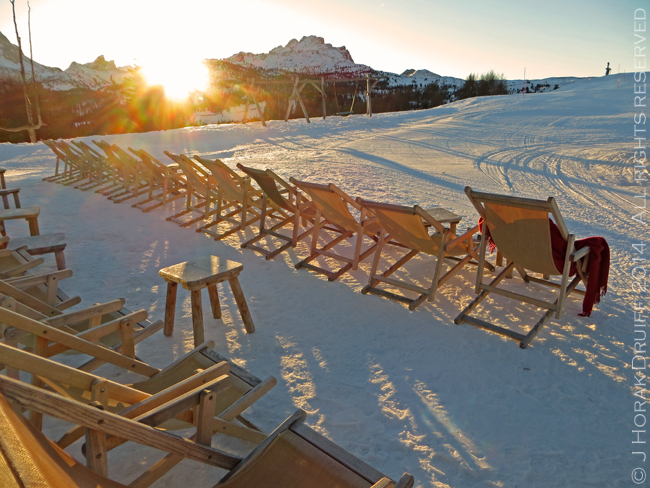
{"type": "Point", "coordinates": [405, 391]}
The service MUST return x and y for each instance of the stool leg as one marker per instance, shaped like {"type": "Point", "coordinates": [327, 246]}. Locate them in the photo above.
{"type": "Point", "coordinates": [60, 260]}
{"type": "Point", "coordinates": [241, 304]}
{"type": "Point", "coordinates": [197, 317]}
{"type": "Point", "coordinates": [214, 301]}
{"type": "Point", "coordinates": [170, 308]}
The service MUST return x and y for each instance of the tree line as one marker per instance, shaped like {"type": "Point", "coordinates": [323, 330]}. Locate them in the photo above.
{"type": "Point", "coordinates": [133, 106]}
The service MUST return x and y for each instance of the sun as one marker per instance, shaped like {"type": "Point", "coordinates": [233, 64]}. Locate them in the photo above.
{"type": "Point", "coordinates": [178, 78]}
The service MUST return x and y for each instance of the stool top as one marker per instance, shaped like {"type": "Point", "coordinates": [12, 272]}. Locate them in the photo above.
{"type": "Point", "coordinates": [201, 272]}
{"type": "Point", "coordinates": [443, 215]}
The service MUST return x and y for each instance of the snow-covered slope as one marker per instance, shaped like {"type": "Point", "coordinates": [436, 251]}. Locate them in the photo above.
{"type": "Point", "coordinates": [454, 405]}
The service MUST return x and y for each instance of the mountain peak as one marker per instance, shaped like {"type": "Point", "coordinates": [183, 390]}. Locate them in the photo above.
{"type": "Point", "coordinates": [310, 55]}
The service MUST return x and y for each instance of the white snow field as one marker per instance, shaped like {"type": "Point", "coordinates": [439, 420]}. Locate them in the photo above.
{"type": "Point", "coordinates": [405, 391]}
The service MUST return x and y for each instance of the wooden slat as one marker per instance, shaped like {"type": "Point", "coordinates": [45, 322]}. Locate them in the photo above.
{"type": "Point", "coordinates": [71, 411]}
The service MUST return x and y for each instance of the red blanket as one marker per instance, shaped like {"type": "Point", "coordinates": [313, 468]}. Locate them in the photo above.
{"type": "Point", "coordinates": [598, 269]}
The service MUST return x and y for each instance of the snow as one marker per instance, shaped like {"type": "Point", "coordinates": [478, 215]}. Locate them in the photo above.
{"type": "Point", "coordinates": [404, 391]}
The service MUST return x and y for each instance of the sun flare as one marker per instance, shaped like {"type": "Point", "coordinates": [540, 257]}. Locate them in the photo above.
{"type": "Point", "coordinates": [178, 79]}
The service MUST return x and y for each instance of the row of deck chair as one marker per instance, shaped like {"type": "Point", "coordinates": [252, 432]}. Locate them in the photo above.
{"type": "Point", "coordinates": [226, 202]}
{"type": "Point", "coordinates": [200, 390]}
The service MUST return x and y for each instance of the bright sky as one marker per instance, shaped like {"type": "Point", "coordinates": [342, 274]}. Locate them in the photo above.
{"type": "Point", "coordinates": [453, 38]}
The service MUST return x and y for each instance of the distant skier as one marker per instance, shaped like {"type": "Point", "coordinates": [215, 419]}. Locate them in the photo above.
{"type": "Point", "coordinates": [608, 69]}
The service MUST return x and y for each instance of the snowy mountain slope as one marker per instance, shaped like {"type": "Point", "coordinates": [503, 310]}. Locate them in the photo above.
{"type": "Point", "coordinates": [94, 76]}
{"type": "Point", "coordinates": [310, 56]}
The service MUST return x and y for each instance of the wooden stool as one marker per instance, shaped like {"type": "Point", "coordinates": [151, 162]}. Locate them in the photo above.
{"type": "Point", "coordinates": [202, 273]}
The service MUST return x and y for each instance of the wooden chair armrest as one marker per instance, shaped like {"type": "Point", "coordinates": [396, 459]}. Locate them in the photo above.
{"type": "Point", "coordinates": [248, 399]}
{"type": "Point", "coordinates": [96, 310]}
{"type": "Point", "coordinates": [580, 253]}
{"type": "Point", "coordinates": [383, 483]}
{"type": "Point", "coordinates": [406, 481]}
{"type": "Point", "coordinates": [22, 282]}
{"type": "Point", "coordinates": [183, 403]}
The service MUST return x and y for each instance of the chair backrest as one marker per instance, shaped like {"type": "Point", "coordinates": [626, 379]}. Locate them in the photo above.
{"type": "Point", "coordinates": [195, 175]}
{"type": "Point", "coordinates": [406, 226]}
{"type": "Point", "coordinates": [29, 459]}
{"type": "Point", "coordinates": [332, 203]}
{"type": "Point", "coordinates": [229, 182]}
{"type": "Point", "coordinates": [520, 228]}
{"type": "Point", "coordinates": [269, 182]}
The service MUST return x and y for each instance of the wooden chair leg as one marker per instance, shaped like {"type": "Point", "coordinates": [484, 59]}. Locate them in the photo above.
{"type": "Point", "coordinates": [241, 304]}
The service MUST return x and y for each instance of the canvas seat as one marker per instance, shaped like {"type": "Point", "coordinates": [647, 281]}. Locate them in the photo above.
{"type": "Point", "coordinates": [520, 230]}
{"type": "Point", "coordinates": [281, 195]}
{"type": "Point", "coordinates": [333, 208]}
{"type": "Point", "coordinates": [298, 457]}
{"type": "Point", "coordinates": [28, 459]}
{"type": "Point", "coordinates": [410, 227]}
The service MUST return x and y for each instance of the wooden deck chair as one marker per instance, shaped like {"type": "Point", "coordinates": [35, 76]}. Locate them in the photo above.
{"type": "Point", "coordinates": [281, 195]}
{"type": "Point", "coordinates": [59, 174]}
{"type": "Point", "coordinates": [102, 173]}
{"type": "Point", "coordinates": [121, 175]}
{"type": "Point", "coordinates": [201, 191]}
{"type": "Point", "coordinates": [135, 176]}
{"type": "Point", "coordinates": [126, 328]}
{"type": "Point", "coordinates": [166, 183]}
{"type": "Point", "coordinates": [298, 457]}
{"type": "Point", "coordinates": [84, 165]}
{"type": "Point", "coordinates": [236, 200]}
{"type": "Point", "coordinates": [129, 400]}
{"type": "Point", "coordinates": [521, 232]}
{"type": "Point", "coordinates": [73, 163]}
{"type": "Point", "coordinates": [28, 458]}
{"type": "Point", "coordinates": [333, 207]}
{"type": "Point", "coordinates": [410, 226]}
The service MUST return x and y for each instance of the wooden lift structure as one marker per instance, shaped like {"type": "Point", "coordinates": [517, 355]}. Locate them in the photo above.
{"type": "Point", "coordinates": [250, 89]}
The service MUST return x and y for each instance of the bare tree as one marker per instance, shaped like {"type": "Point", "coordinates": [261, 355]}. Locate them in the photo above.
{"type": "Point", "coordinates": [31, 128]}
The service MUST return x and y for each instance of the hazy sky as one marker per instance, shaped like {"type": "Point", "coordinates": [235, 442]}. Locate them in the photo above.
{"type": "Point", "coordinates": [453, 38]}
